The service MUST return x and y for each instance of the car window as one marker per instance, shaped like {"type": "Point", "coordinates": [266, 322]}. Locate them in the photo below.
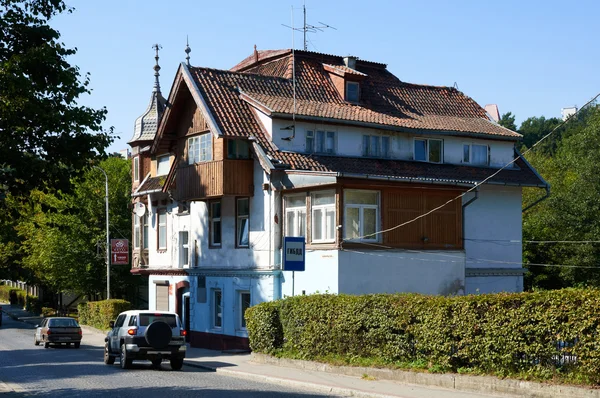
{"type": "Point", "coordinates": [120, 321]}
{"type": "Point", "coordinates": [147, 318]}
{"type": "Point", "coordinates": [133, 320]}
{"type": "Point", "coordinates": [63, 323]}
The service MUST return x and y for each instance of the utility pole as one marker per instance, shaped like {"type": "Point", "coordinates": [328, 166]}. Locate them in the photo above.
{"type": "Point", "coordinates": [107, 235]}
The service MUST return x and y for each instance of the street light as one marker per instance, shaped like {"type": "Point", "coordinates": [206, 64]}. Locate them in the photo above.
{"type": "Point", "coordinates": [107, 237]}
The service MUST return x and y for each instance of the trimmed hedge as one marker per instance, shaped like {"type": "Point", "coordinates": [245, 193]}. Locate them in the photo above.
{"type": "Point", "coordinates": [542, 335]}
{"type": "Point", "coordinates": [20, 297]}
{"type": "Point", "coordinates": [99, 313]}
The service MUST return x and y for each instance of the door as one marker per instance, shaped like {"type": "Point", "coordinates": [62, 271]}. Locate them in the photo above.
{"type": "Point", "coordinates": [186, 316]}
{"type": "Point", "coordinates": [114, 337]}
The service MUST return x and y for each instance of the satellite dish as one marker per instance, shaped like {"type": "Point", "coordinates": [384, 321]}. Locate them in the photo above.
{"type": "Point", "coordinates": [139, 209]}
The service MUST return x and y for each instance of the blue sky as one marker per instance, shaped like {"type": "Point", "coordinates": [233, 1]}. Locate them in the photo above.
{"type": "Point", "coordinates": [531, 58]}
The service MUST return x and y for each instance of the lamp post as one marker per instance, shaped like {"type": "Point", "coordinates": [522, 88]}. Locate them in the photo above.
{"type": "Point", "coordinates": [107, 236]}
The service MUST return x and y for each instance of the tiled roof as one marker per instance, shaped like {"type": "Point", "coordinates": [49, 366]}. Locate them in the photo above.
{"type": "Point", "coordinates": [343, 69]}
{"type": "Point", "coordinates": [152, 184]}
{"type": "Point", "coordinates": [520, 174]}
{"type": "Point", "coordinates": [146, 125]}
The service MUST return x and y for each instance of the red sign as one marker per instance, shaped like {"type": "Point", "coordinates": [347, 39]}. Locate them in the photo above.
{"type": "Point", "coordinates": [119, 251]}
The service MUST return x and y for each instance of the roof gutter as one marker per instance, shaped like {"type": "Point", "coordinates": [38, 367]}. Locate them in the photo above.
{"type": "Point", "coordinates": [546, 195]}
{"type": "Point", "coordinates": [137, 194]}
{"type": "Point", "coordinates": [405, 179]}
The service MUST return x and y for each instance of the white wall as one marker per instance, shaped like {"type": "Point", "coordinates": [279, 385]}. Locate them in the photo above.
{"type": "Point", "coordinates": [173, 280]}
{"type": "Point", "coordinates": [391, 271]}
{"type": "Point", "coordinates": [349, 141]}
{"type": "Point", "coordinates": [320, 276]}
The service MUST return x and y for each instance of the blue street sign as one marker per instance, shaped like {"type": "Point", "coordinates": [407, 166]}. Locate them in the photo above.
{"type": "Point", "coordinates": [293, 253]}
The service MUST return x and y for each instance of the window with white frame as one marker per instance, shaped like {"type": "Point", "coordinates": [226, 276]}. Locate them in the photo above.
{"type": "Point", "coordinates": [352, 91]}
{"type": "Point", "coordinates": [215, 223]}
{"type": "Point", "coordinates": [320, 141]}
{"type": "Point", "coordinates": [376, 146]}
{"type": "Point", "coordinates": [217, 304]}
{"type": "Point", "coordinates": [242, 222]}
{"type": "Point", "coordinates": [476, 154]}
{"type": "Point", "coordinates": [200, 148]}
{"type": "Point", "coordinates": [162, 229]}
{"type": "Point", "coordinates": [295, 215]}
{"type": "Point", "coordinates": [136, 232]}
{"type": "Point", "coordinates": [428, 150]}
{"type": "Point", "coordinates": [244, 304]}
{"type": "Point", "coordinates": [162, 165]}
{"type": "Point", "coordinates": [136, 168]}
{"type": "Point", "coordinates": [184, 249]}
{"type": "Point", "coordinates": [323, 216]}
{"type": "Point", "coordinates": [361, 218]}
{"type": "Point", "coordinates": [145, 231]}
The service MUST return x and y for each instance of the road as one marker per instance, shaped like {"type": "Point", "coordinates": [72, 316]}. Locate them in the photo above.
{"type": "Point", "coordinates": [29, 370]}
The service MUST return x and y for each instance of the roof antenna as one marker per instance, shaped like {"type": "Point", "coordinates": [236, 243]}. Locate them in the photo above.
{"type": "Point", "coordinates": [187, 50]}
{"type": "Point", "coordinates": [456, 85]}
{"type": "Point", "coordinates": [156, 68]}
{"type": "Point", "coordinates": [293, 126]}
{"type": "Point", "coordinates": [309, 28]}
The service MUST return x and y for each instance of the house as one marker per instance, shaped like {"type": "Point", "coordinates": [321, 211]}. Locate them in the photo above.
{"type": "Point", "coordinates": [381, 177]}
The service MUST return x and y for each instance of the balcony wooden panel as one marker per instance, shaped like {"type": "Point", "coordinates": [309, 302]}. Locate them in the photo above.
{"type": "Point", "coordinates": [214, 179]}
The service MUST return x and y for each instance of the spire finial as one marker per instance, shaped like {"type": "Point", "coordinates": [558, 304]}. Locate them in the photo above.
{"type": "Point", "coordinates": [188, 50]}
{"type": "Point", "coordinates": [156, 47]}
{"type": "Point", "coordinates": [255, 54]}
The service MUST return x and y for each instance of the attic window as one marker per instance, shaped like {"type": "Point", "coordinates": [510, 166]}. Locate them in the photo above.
{"type": "Point", "coordinates": [352, 91]}
{"type": "Point", "coordinates": [162, 165]}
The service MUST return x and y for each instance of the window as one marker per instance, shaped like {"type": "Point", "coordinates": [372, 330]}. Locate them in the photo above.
{"type": "Point", "coordinates": [321, 142]}
{"type": "Point", "coordinates": [217, 321]}
{"type": "Point", "coordinates": [136, 232]}
{"type": "Point", "coordinates": [476, 154]}
{"type": "Point", "coordinates": [215, 223]}
{"type": "Point", "coordinates": [133, 321]}
{"type": "Point", "coordinates": [242, 221]}
{"type": "Point", "coordinates": [162, 229]}
{"type": "Point", "coordinates": [385, 147]}
{"type": "Point", "coordinates": [361, 219]}
{"type": "Point", "coordinates": [162, 165]}
{"type": "Point", "coordinates": [352, 91]}
{"type": "Point", "coordinates": [428, 150]}
{"type": "Point", "coordinates": [184, 249]}
{"type": "Point", "coordinates": [323, 217]}
{"type": "Point", "coordinates": [295, 215]}
{"type": "Point", "coordinates": [145, 231]}
{"type": "Point", "coordinates": [136, 168]}
{"type": "Point", "coordinates": [238, 149]}
{"type": "Point", "coordinates": [200, 148]}
{"type": "Point", "coordinates": [244, 304]}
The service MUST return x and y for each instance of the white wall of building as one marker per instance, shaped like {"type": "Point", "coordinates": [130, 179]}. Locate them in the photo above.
{"type": "Point", "coordinates": [173, 280]}
{"type": "Point", "coordinates": [321, 275]}
{"type": "Point", "coordinates": [431, 272]}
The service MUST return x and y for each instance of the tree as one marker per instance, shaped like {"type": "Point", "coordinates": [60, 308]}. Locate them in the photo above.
{"type": "Point", "coordinates": [63, 234]}
{"type": "Point", "coordinates": [535, 128]}
{"type": "Point", "coordinates": [508, 120]}
{"type": "Point", "coordinates": [45, 136]}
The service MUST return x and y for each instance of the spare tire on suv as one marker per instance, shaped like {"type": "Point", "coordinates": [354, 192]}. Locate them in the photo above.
{"type": "Point", "coordinates": [158, 334]}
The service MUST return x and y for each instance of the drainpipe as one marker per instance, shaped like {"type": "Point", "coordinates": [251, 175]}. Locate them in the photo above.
{"type": "Point", "coordinates": [473, 199]}
{"type": "Point", "coordinates": [539, 200]}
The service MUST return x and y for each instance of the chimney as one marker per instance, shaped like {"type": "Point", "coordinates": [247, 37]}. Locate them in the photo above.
{"type": "Point", "coordinates": [350, 62]}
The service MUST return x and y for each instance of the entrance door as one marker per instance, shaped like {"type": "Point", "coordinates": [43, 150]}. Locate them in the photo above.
{"type": "Point", "coordinates": [186, 316]}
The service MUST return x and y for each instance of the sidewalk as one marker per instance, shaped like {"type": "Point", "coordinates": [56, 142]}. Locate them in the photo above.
{"type": "Point", "coordinates": [347, 381]}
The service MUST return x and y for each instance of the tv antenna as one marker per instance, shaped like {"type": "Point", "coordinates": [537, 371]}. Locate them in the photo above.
{"type": "Point", "coordinates": [309, 28]}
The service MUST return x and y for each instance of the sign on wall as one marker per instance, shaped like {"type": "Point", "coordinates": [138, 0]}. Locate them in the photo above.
{"type": "Point", "coordinates": [293, 253]}
{"type": "Point", "coordinates": [119, 253]}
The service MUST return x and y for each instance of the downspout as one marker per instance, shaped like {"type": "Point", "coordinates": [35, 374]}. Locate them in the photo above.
{"type": "Point", "coordinates": [473, 199]}
{"type": "Point", "coordinates": [539, 200]}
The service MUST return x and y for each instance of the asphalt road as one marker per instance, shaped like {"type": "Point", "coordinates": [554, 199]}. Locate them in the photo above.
{"type": "Point", "coordinates": [29, 370]}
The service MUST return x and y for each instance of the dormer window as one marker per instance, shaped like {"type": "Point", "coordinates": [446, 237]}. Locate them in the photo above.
{"type": "Point", "coordinates": [352, 91]}
{"type": "Point", "coordinates": [320, 141]}
{"type": "Point", "coordinates": [162, 165]}
{"type": "Point", "coordinates": [476, 154]}
{"type": "Point", "coordinates": [428, 150]}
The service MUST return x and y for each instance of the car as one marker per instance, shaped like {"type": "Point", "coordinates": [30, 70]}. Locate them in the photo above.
{"type": "Point", "coordinates": [0, 315]}
{"type": "Point", "coordinates": [146, 335]}
{"type": "Point", "coordinates": [58, 330]}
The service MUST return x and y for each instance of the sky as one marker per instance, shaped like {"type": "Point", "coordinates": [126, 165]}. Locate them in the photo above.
{"type": "Point", "coordinates": [531, 58]}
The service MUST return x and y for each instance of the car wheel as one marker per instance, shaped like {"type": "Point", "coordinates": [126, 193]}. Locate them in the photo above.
{"type": "Point", "coordinates": [108, 359]}
{"type": "Point", "coordinates": [125, 362]}
{"type": "Point", "coordinates": [76, 345]}
{"type": "Point", "coordinates": [158, 334]}
{"type": "Point", "coordinates": [176, 363]}
{"type": "Point", "coordinates": [46, 344]}
{"type": "Point", "coordinates": [35, 340]}
{"type": "Point", "coordinates": [156, 363]}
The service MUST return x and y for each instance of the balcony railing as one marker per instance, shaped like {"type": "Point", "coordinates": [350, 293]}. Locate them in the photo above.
{"type": "Point", "coordinates": [214, 179]}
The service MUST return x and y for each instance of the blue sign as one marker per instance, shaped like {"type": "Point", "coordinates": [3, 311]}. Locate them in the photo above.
{"type": "Point", "coordinates": [293, 253]}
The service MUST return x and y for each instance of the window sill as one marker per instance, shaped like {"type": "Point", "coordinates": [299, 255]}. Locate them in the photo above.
{"type": "Point", "coordinates": [215, 246]}
{"type": "Point", "coordinates": [322, 246]}
{"type": "Point", "coordinates": [161, 251]}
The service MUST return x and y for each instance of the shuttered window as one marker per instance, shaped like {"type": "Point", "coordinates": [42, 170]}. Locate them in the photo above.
{"type": "Point", "coordinates": [162, 297]}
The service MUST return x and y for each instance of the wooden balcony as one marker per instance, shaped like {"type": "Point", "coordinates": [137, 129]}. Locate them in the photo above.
{"type": "Point", "coordinates": [215, 179]}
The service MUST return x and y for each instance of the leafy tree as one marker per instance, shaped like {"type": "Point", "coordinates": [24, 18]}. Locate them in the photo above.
{"type": "Point", "coordinates": [508, 120]}
{"type": "Point", "coordinates": [63, 234]}
{"type": "Point", "coordinates": [45, 136]}
{"type": "Point", "coordinates": [571, 212]}
{"type": "Point", "coordinates": [535, 128]}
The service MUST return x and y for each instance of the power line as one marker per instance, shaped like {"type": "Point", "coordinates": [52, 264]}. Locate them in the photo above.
{"type": "Point", "coordinates": [478, 184]}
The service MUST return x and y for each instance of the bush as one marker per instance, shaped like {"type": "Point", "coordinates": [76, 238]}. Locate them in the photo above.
{"type": "Point", "coordinates": [99, 313]}
{"type": "Point", "coordinates": [543, 335]}
{"type": "Point", "coordinates": [20, 297]}
{"type": "Point", "coordinates": [48, 311]}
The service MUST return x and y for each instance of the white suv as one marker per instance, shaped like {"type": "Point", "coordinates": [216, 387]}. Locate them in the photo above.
{"type": "Point", "coordinates": [151, 335]}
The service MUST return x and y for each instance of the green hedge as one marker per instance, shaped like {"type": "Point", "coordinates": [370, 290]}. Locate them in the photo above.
{"type": "Point", "coordinates": [543, 335]}
{"type": "Point", "coordinates": [20, 297]}
{"type": "Point", "coordinates": [99, 313]}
